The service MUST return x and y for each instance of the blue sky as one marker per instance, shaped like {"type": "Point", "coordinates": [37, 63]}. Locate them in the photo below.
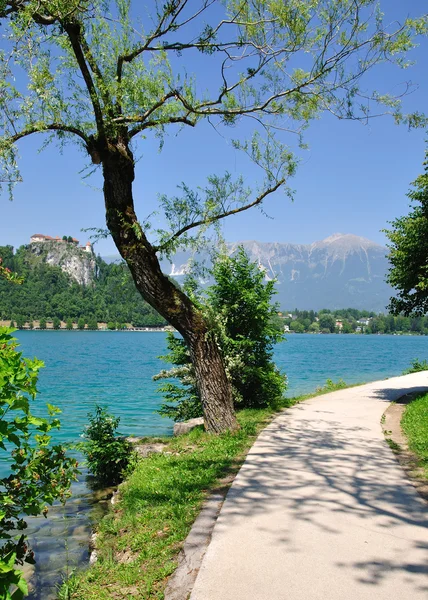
{"type": "Point", "coordinates": [353, 179]}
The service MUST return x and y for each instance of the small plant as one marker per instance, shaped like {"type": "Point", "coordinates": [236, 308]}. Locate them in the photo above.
{"type": "Point", "coordinates": [68, 587]}
{"type": "Point", "coordinates": [393, 445]}
{"type": "Point", "coordinates": [331, 386]}
{"type": "Point", "coordinates": [108, 455]}
{"type": "Point", "coordinates": [416, 366]}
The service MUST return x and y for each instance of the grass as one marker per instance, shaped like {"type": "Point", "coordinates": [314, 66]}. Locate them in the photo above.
{"type": "Point", "coordinates": [415, 426]}
{"type": "Point", "coordinates": [139, 540]}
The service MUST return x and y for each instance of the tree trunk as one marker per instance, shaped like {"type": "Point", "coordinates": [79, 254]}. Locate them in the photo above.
{"type": "Point", "coordinates": [213, 385]}
{"type": "Point", "coordinates": [162, 294]}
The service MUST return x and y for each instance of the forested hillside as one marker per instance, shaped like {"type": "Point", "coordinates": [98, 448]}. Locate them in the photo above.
{"type": "Point", "coordinates": [48, 292]}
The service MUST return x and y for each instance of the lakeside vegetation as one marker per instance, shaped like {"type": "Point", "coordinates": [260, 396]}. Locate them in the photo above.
{"type": "Point", "coordinates": [351, 320]}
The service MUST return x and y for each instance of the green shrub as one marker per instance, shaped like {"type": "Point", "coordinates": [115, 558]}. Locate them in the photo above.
{"type": "Point", "coordinates": [416, 365]}
{"type": "Point", "coordinates": [244, 322]}
{"type": "Point", "coordinates": [108, 455]}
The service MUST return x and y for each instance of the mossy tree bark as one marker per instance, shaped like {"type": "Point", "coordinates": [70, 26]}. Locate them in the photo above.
{"type": "Point", "coordinates": [157, 289]}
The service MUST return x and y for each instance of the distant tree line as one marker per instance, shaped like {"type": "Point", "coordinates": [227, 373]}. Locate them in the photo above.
{"type": "Point", "coordinates": [49, 294]}
{"type": "Point", "coordinates": [351, 320]}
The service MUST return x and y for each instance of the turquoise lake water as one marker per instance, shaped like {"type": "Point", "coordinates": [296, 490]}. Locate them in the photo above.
{"type": "Point", "coordinates": [115, 369]}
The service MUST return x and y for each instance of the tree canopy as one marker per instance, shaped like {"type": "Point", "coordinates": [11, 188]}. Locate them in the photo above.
{"type": "Point", "coordinates": [90, 71]}
{"type": "Point", "coordinates": [409, 252]}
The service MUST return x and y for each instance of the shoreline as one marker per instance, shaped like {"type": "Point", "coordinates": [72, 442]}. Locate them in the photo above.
{"type": "Point", "coordinates": [166, 329]}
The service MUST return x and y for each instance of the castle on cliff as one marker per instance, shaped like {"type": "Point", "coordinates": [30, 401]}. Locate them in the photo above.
{"type": "Point", "coordinates": [40, 237]}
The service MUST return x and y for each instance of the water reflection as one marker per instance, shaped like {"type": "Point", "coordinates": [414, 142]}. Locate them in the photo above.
{"type": "Point", "coordinates": [61, 542]}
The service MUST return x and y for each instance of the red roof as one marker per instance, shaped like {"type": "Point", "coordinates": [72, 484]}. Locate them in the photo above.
{"type": "Point", "coordinates": [55, 239]}
{"type": "Point", "coordinates": [46, 237]}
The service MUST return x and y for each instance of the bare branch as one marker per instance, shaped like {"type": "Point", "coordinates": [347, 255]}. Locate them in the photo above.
{"type": "Point", "coordinates": [73, 31]}
{"type": "Point", "coordinates": [215, 218]}
{"type": "Point", "coordinates": [160, 30]}
{"type": "Point", "coordinates": [96, 71]}
{"type": "Point", "coordinates": [151, 110]}
{"type": "Point", "coordinates": [49, 127]}
{"type": "Point", "coordinates": [41, 18]}
{"type": "Point", "coordinates": [155, 123]}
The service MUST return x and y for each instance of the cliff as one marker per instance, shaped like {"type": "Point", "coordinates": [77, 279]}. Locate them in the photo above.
{"type": "Point", "coordinates": [73, 260]}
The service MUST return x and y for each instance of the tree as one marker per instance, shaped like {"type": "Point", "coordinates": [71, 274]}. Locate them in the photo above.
{"type": "Point", "coordinates": [92, 323]}
{"type": "Point", "coordinates": [327, 322]}
{"type": "Point", "coordinates": [239, 306]}
{"type": "Point", "coordinates": [56, 323]}
{"type": "Point", "coordinates": [69, 324]}
{"type": "Point", "coordinates": [297, 327]}
{"type": "Point", "coordinates": [42, 324]}
{"type": "Point", "coordinates": [270, 63]}
{"type": "Point", "coordinates": [347, 328]}
{"type": "Point", "coordinates": [409, 252]}
{"type": "Point", "coordinates": [20, 322]}
{"type": "Point", "coordinates": [314, 327]}
{"type": "Point", "coordinates": [81, 323]}
{"type": "Point", "coordinates": [244, 317]}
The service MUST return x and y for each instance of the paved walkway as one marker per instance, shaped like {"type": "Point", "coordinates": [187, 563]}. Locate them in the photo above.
{"type": "Point", "coordinates": [321, 510]}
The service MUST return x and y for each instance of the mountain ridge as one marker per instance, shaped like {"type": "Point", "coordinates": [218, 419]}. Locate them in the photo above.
{"type": "Point", "coordinates": [342, 270]}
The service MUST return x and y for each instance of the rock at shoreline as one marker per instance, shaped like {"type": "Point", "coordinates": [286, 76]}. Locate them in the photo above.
{"type": "Point", "coordinates": [144, 449]}
{"type": "Point", "coordinates": [186, 426]}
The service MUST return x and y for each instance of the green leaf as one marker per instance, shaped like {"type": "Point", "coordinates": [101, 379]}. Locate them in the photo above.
{"type": "Point", "coordinates": [53, 410]}
{"type": "Point", "coordinates": [37, 421]}
{"type": "Point", "coordinates": [7, 563]}
{"type": "Point", "coordinates": [21, 403]}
